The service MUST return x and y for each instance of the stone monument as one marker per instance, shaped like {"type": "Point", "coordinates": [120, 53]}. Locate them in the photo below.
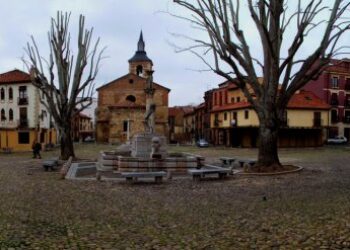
{"type": "Point", "coordinates": [149, 144]}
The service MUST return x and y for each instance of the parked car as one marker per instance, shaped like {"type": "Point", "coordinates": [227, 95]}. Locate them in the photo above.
{"type": "Point", "coordinates": [89, 139]}
{"type": "Point", "coordinates": [337, 140]}
{"type": "Point", "coordinates": [202, 143]}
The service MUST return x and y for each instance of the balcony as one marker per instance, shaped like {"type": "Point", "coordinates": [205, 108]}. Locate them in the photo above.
{"type": "Point", "coordinates": [23, 123]}
{"type": "Point", "coordinates": [317, 122]}
{"type": "Point", "coordinates": [22, 100]}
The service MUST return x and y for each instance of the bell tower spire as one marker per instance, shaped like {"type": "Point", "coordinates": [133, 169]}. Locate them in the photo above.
{"type": "Point", "coordinates": [140, 64]}
{"type": "Point", "coordinates": [141, 43]}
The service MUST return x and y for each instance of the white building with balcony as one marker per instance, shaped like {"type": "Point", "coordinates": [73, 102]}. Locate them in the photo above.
{"type": "Point", "coordinates": [23, 118]}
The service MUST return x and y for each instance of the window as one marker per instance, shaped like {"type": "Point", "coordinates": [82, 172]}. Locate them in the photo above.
{"type": "Point", "coordinates": [131, 81]}
{"type": "Point", "coordinates": [334, 116]}
{"type": "Point", "coordinates": [334, 99]}
{"type": "Point", "coordinates": [43, 114]}
{"type": "Point", "coordinates": [334, 82]}
{"type": "Point", "coordinates": [131, 98]}
{"type": "Point", "coordinates": [10, 93]}
{"type": "Point", "coordinates": [347, 84]}
{"type": "Point", "coordinates": [317, 119]}
{"type": "Point", "coordinates": [246, 114]}
{"type": "Point", "coordinates": [3, 117]}
{"type": "Point", "coordinates": [23, 137]}
{"type": "Point", "coordinates": [216, 120]}
{"type": "Point", "coordinates": [2, 94]}
{"type": "Point", "coordinates": [215, 98]}
{"type": "Point", "coordinates": [139, 70]}
{"type": "Point", "coordinates": [232, 100]}
{"type": "Point", "coordinates": [238, 99]}
{"type": "Point", "coordinates": [234, 114]}
{"type": "Point", "coordinates": [23, 98]}
{"type": "Point", "coordinates": [125, 126]}
{"type": "Point", "coordinates": [225, 116]}
{"type": "Point", "coordinates": [220, 98]}
{"type": "Point", "coordinates": [10, 115]}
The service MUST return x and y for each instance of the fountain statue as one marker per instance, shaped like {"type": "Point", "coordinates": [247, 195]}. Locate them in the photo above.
{"type": "Point", "coordinates": [143, 144]}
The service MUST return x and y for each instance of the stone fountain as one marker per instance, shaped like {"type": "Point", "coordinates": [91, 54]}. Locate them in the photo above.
{"type": "Point", "coordinates": [147, 151]}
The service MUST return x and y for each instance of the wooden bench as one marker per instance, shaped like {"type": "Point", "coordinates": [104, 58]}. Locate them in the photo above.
{"type": "Point", "coordinates": [50, 164]}
{"type": "Point", "coordinates": [133, 176]}
{"type": "Point", "coordinates": [227, 161]}
{"type": "Point", "coordinates": [197, 174]}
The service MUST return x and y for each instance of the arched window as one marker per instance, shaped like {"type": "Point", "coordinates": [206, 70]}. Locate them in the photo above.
{"type": "Point", "coordinates": [131, 98]}
{"type": "Point", "coordinates": [10, 115]}
{"type": "Point", "coordinates": [139, 70]}
{"type": "Point", "coordinates": [2, 115]}
{"type": "Point", "coordinates": [2, 94]}
{"type": "Point", "coordinates": [10, 93]}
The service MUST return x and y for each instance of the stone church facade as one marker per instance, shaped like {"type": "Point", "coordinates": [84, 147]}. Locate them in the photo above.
{"type": "Point", "coordinates": [122, 102]}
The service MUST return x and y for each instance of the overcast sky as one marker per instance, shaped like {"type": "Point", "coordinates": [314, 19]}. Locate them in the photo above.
{"type": "Point", "coordinates": [118, 24]}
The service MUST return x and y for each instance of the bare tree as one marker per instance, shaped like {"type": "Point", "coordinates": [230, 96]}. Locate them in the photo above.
{"type": "Point", "coordinates": [283, 70]}
{"type": "Point", "coordinates": [72, 91]}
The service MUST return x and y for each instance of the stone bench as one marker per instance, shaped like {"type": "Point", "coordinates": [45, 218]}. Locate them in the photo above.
{"type": "Point", "coordinates": [50, 164]}
{"type": "Point", "coordinates": [227, 161]}
{"type": "Point", "coordinates": [197, 174]}
{"type": "Point", "coordinates": [133, 176]}
{"type": "Point", "coordinates": [246, 161]}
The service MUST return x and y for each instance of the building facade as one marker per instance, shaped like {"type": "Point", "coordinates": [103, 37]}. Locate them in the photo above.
{"type": "Point", "coordinates": [233, 121]}
{"type": "Point", "coordinates": [82, 127]}
{"type": "Point", "coordinates": [181, 124]}
{"type": "Point", "coordinates": [23, 118]}
{"type": "Point", "coordinates": [333, 86]}
{"type": "Point", "coordinates": [122, 102]}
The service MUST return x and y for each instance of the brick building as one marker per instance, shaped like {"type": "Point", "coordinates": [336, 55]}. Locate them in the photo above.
{"type": "Point", "coordinates": [333, 86]}
{"type": "Point", "coordinates": [122, 102]}
{"type": "Point", "coordinates": [181, 124]}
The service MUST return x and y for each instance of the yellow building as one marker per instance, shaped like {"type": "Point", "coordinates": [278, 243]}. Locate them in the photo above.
{"type": "Point", "coordinates": [233, 122]}
{"type": "Point", "coordinates": [23, 118]}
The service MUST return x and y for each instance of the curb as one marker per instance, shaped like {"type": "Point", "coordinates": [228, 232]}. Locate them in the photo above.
{"type": "Point", "coordinates": [299, 168]}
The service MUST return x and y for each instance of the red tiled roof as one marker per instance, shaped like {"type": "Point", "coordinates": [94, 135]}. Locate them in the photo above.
{"type": "Point", "coordinates": [200, 106]}
{"type": "Point", "coordinates": [84, 116]}
{"type": "Point", "coordinates": [188, 110]}
{"type": "Point", "coordinates": [307, 100]}
{"type": "Point", "coordinates": [237, 105]}
{"type": "Point", "coordinates": [173, 111]}
{"type": "Point", "coordinates": [14, 76]}
{"type": "Point", "coordinates": [301, 100]}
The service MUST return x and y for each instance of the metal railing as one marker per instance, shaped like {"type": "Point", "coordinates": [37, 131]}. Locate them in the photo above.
{"type": "Point", "coordinates": [22, 101]}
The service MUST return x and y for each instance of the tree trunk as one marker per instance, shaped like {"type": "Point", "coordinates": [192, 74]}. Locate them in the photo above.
{"type": "Point", "coordinates": [268, 159]}
{"type": "Point", "coordinates": [67, 148]}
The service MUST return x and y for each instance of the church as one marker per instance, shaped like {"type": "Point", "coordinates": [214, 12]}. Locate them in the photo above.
{"type": "Point", "coordinates": [120, 113]}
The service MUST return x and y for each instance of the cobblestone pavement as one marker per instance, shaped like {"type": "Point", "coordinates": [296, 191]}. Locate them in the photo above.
{"type": "Point", "coordinates": [307, 210]}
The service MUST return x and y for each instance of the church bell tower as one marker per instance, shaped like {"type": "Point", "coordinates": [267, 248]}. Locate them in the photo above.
{"type": "Point", "coordinates": [140, 64]}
